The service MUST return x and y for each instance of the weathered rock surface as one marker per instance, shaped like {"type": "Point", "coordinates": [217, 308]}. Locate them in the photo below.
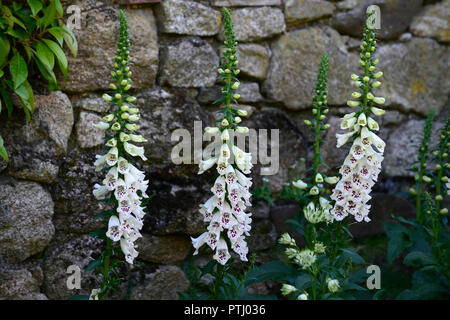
{"type": "Point", "coordinates": [249, 92]}
{"type": "Point", "coordinates": [162, 285]}
{"type": "Point", "coordinates": [75, 205]}
{"type": "Point", "coordinates": [253, 60]}
{"type": "Point", "coordinates": [34, 147]}
{"type": "Point", "coordinates": [18, 283]}
{"type": "Point", "coordinates": [79, 252]}
{"type": "Point", "coordinates": [54, 116]}
{"type": "Point", "coordinates": [188, 17]}
{"type": "Point", "coordinates": [289, 148]}
{"type": "Point", "coordinates": [263, 236]}
{"type": "Point", "coordinates": [26, 212]}
{"type": "Point", "coordinates": [89, 136]}
{"type": "Point", "coordinates": [300, 11]}
{"type": "Point", "coordinates": [257, 23]}
{"type": "Point", "coordinates": [247, 3]}
{"type": "Point", "coordinates": [97, 45]}
{"type": "Point", "coordinates": [91, 102]}
{"type": "Point", "coordinates": [294, 65]}
{"type": "Point", "coordinates": [163, 111]}
{"type": "Point", "coordinates": [433, 22]}
{"type": "Point", "coordinates": [415, 75]}
{"type": "Point", "coordinates": [170, 249]}
{"type": "Point", "coordinates": [189, 62]}
{"type": "Point", "coordinates": [396, 15]}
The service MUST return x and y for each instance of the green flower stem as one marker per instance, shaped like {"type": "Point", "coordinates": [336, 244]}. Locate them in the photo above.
{"type": "Point", "coordinates": [423, 157]}
{"type": "Point", "coordinates": [106, 279]}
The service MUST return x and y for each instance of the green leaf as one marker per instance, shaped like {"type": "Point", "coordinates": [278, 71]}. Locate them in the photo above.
{"type": "Point", "coordinates": [4, 50]}
{"type": "Point", "coordinates": [59, 8]}
{"type": "Point", "coordinates": [302, 282]}
{"type": "Point", "coordinates": [7, 99]}
{"type": "Point", "coordinates": [105, 213]}
{"type": "Point", "coordinates": [49, 15]}
{"type": "Point", "coordinates": [18, 69]}
{"type": "Point", "coordinates": [98, 234]}
{"type": "Point", "coordinates": [93, 264]}
{"type": "Point", "coordinates": [3, 152]}
{"type": "Point", "coordinates": [58, 34]}
{"type": "Point", "coordinates": [268, 270]}
{"type": "Point", "coordinates": [59, 54]}
{"type": "Point", "coordinates": [350, 254]}
{"type": "Point", "coordinates": [80, 297]}
{"type": "Point", "coordinates": [45, 55]}
{"type": "Point", "coordinates": [70, 40]}
{"type": "Point", "coordinates": [422, 258]}
{"type": "Point", "coordinates": [35, 6]}
{"type": "Point", "coordinates": [25, 93]}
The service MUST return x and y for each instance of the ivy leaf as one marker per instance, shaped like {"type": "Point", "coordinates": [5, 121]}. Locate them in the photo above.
{"type": "Point", "coordinates": [35, 6]}
{"type": "Point", "coordinates": [3, 152]}
{"type": "Point", "coordinates": [18, 69]}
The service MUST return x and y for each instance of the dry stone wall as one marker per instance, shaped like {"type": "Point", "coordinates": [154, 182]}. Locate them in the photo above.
{"type": "Point", "coordinates": [46, 203]}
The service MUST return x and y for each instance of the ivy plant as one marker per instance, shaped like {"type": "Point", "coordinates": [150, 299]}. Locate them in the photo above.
{"type": "Point", "coordinates": [32, 35]}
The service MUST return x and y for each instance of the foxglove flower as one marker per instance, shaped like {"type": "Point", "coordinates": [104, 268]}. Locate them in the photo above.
{"type": "Point", "coordinates": [124, 184]}
{"type": "Point", "coordinates": [363, 163]}
{"type": "Point", "coordinates": [225, 210]}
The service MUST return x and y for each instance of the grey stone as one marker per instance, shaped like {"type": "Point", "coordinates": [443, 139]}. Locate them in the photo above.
{"type": "Point", "coordinates": [401, 148]}
{"type": "Point", "coordinates": [189, 62]}
{"type": "Point", "coordinates": [54, 115]}
{"type": "Point", "coordinates": [75, 205]}
{"type": "Point", "coordinates": [282, 211]}
{"type": "Point", "coordinates": [26, 212]}
{"type": "Point", "coordinates": [415, 75]}
{"type": "Point", "coordinates": [37, 170]}
{"type": "Point", "coordinates": [77, 251]}
{"type": "Point", "coordinates": [253, 60]}
{"type": "Point", "coordinates": [163, 284]}
{"type": "Point", "coordinates": [249, 92]}
{"type": "Point", "coordinates": [290, 148]}
{"type": "Point", "coordinates": [246, 3]}
{"type": "Point", "coordinates": [162, 112]}
{"type": "Point", "coordinates": [97, 38]}
{"type": "Point", "coordinates": [18, 283]}
{"type": "Point", "coordinates": [188, 17]}
{"type": "Point", "coordinates": [89, 136]}
{"type": "Point", "coordinates": [261, 210]}
{"type": "Point", "coordinates": [262, 236]}
{"type": "Point", "coordinates": [301, 11]}
{"type": "Point", "coordinates": [91, 102]}
{"type": "Point", "coordinates": [333, 157]}
{"type": "Point", "coordinates": [170, 249]}
{"type": "Point", "coordinates": [396, 15]}
{"type": "Point", "coordinates": [295, 63]}
{"type": "Point", "coordinates": [252, 24]}
{"type": "Point", "coordinates": [433, 22]}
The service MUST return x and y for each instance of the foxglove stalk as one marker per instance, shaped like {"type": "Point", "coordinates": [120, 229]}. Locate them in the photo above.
{"type": "Point", "coordinates": [363, 163]}
{"type": "Point", "coordinates": [225, 210]}
{"type": "Point", "coordinates": [124, 184]}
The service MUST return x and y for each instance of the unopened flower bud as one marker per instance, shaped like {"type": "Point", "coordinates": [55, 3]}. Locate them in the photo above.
{"type": "Point", "coordinates": [225, 123]}
{"type": "Point", "coordinates": [118, 96]}
{"type": "Point", "coordinates": [235, 85]}
{"type": "Point", "coordinates": [236, 96]}
{"type": "Point", "coordinates": [109, 117]}
{"type": "Point", "coordinates": [376, 84]}
{"type": "Point", "coordinates": [378, 74]}
{"type": "Point", "coordinates": [307, 122]}
{"type": "Point", "coordinates": [113, 86]}
{"type": "Point", "coordinates": [443, 211]}
{"type": "Point", "coordinates": [412, 191]}
{"type": "Point", "coordinates": [131, 99]}
{"type": "Point", "coordinates": [242, 113]}
{"type": "Point", "coordinates": [106, 97]}
{"type": "Point", "coordinates": [379, 100]}
{"type": "Point", "coordinates": [426, 179]}
{"type": "Point", "coordinates": [352, 103]}
{"type": "Point", "coordinates": [356, 95]}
